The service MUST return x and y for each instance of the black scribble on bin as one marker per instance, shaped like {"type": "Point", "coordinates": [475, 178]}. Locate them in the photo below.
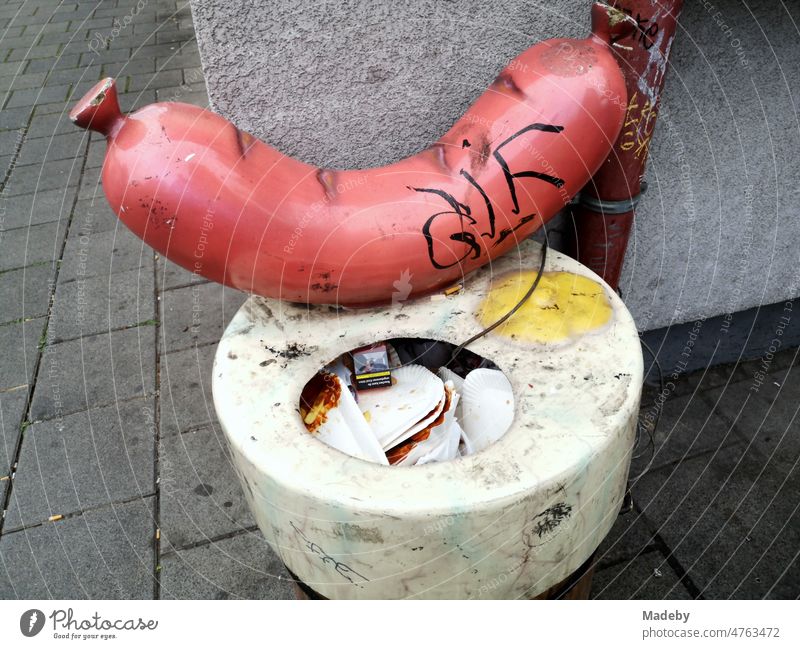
{"type": "Point", "coordinates": [551, 518]}
{"type": "Point", "coordinates": [343, 569]}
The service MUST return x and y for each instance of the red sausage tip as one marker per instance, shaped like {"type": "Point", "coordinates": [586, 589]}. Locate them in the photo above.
{"type": "Point", "coordinates": [98, 109]}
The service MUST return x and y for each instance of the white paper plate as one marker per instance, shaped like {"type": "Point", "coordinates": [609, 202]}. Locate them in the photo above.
{"type": "Point", "coordinates": [446, 374]}
{"type": "Point", "coordinates": [420, 425]}
{"type": "Point", "coordinates": [341, 370]}
{"type": "Point", "coordinates": [448, 447]}
{"type": "Point", "coordinates": [442, 441]}
{"type": "Point", "coordinates": [487, 407]}
{"type": "Point", "coordinates": [346, 429]}
{"type": "Point", "coordinates": [391, 411]}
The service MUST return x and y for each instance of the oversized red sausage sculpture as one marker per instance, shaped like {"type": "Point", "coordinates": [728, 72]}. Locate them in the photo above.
{"type": "Point", "coordinates": [219, 202]}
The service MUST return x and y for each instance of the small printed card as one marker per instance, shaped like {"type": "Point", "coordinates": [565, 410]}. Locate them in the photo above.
{"type": "Point", "coordinates": [371, 367]}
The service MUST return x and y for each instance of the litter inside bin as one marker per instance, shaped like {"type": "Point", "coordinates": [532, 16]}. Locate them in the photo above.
{"type": "Point", "coordinates": [437, 407]}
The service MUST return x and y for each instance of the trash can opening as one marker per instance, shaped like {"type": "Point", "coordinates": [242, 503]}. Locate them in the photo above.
{"type": "Point", "coordinates": [408, 401]}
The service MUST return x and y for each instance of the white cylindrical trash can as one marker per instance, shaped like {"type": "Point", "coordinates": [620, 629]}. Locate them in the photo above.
{"type": "Point", "coordinates": [508, 522]}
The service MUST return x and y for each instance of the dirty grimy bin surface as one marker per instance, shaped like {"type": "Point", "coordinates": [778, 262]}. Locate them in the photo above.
{"type": "Point", "coordinates": [508, 522]}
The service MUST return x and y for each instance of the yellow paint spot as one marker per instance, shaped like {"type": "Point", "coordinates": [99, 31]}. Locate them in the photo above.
{"type": "Point", "coordinates": [563, 306]}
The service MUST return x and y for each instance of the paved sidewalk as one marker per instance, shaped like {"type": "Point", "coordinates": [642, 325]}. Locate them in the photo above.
{"type": "Point", "coordinates": [105, 403]}
{"type": "Point", "coordinates": [116, 481]}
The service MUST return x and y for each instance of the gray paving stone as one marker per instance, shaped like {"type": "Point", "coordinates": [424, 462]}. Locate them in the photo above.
{"type": "Point", "coordinates": [196, 314]}
{"type": "Point", "coordinates": [41, 177]}
{"type": "Point", "coordinates": [188, 94]}
{"type": "Point", "coordinates": [96, 155]}
{"type": "Point", "coordinates": [113, 12]}
{"type": "Point", "coordinates": [66, 63]}
{"type": "Point", "coordinates": [25, 293]}
{"type": "Point", "coordinates": [134, 65]}
{"type": "Point", "coordinates": [14, 117]}
{"type": "Point", "coordinates": [10, 140]}
{"type": "Point", "coordinates": [12, 411]}
{"type": "Point", "coordinates": [93, 305]}
{"type": "Point", "coordinates": [146, 28]}
{"type": "Point", "coordinates": [22, 81]}
{"type": "Point", "coordinates": [20, 344]}
{"type": "Point", "coordinates": [109, 251]}
{"type": "Point", "coordinates": [25, 246]}
{"type": "Point", "coordinates": [32, 97]}
{"type": "Point", "coordinates": [648, 576]}
{"type": "Point", "coordinates": [768, 418]}
{"type": "Point", "coordinates": [106, 56]}
{"type": "Point", "coordinates": [174, 35]}
{"type": "Point", "coordinates": [94, 371]}
{"type": "Point", "coordinates": [18, 42]}
{"type": "Point", "coordinates": [715, 376]}
{"type": "Point", "coordinates": [135, 42]}
{"type": "Point", "coordinates": [131, 101]}
{"type": "Point", "coordinates": [91, 186]}
{"type": "Point", "coordinates": [81, 47]}
{"type": "Point", "coordinates": [629, 537]}
{"type": "Point", "coordinates": [82, 461]}
{"type": "Point", "coordinates": [93, 216]}
{"type": "Point", "coordinates": [687, 426]}
{"type": "Point", "coordinates": [161, 79]}
{"type": "Point", "coordinates": [242, 567]}
{"type": "Point", "coordinates": [781, 360]}
{"type": "Point", "coordinates": [170, 275]}
{"type": "Point", "coordinates": [186, 400]}
{"type": "Point", "coordinates": [186, 59]}
{"type": "Point", "coordinates": [30, 20]}
{"type": "Point", "coordinates": [200, 494]}
{"type": "Point", "coordinates": [731, 523]}
{"type": "Point", "coordinates": [49, 28]}
{"type": "Point", "coordinates": [193, 75]}
{"type": "Point", "coordinates": [68, 146]}
{"type": "Point", "coordinates": [102, 554]}
{"type": "Point", "coordinates": [95, 23]}
{"type": "Point", "coordinates": [42, 207]}
{"type": "Point", "coordinates": [76, 35]}
{"type": "Point", "coordinates": [152, 50]}
{"type": "Point", "coordinates": [12, 69]}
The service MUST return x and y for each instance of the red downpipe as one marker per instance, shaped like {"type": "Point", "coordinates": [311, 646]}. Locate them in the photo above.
{"type": "Point", "coordinates": [604, 217]}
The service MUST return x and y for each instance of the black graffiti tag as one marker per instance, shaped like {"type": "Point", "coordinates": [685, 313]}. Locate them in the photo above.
{"type": "Point", "coordinates": [645, 33]}
{"type": "Point", "coordinates": [464, 214]}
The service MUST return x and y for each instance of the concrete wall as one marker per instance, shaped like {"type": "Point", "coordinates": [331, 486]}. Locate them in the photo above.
{"type": "Point", "coordinates": [364, 83]}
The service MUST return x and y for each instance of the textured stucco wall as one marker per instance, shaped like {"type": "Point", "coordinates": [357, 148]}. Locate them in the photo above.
{"type": "Point", "coordinates": [363, 83]}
